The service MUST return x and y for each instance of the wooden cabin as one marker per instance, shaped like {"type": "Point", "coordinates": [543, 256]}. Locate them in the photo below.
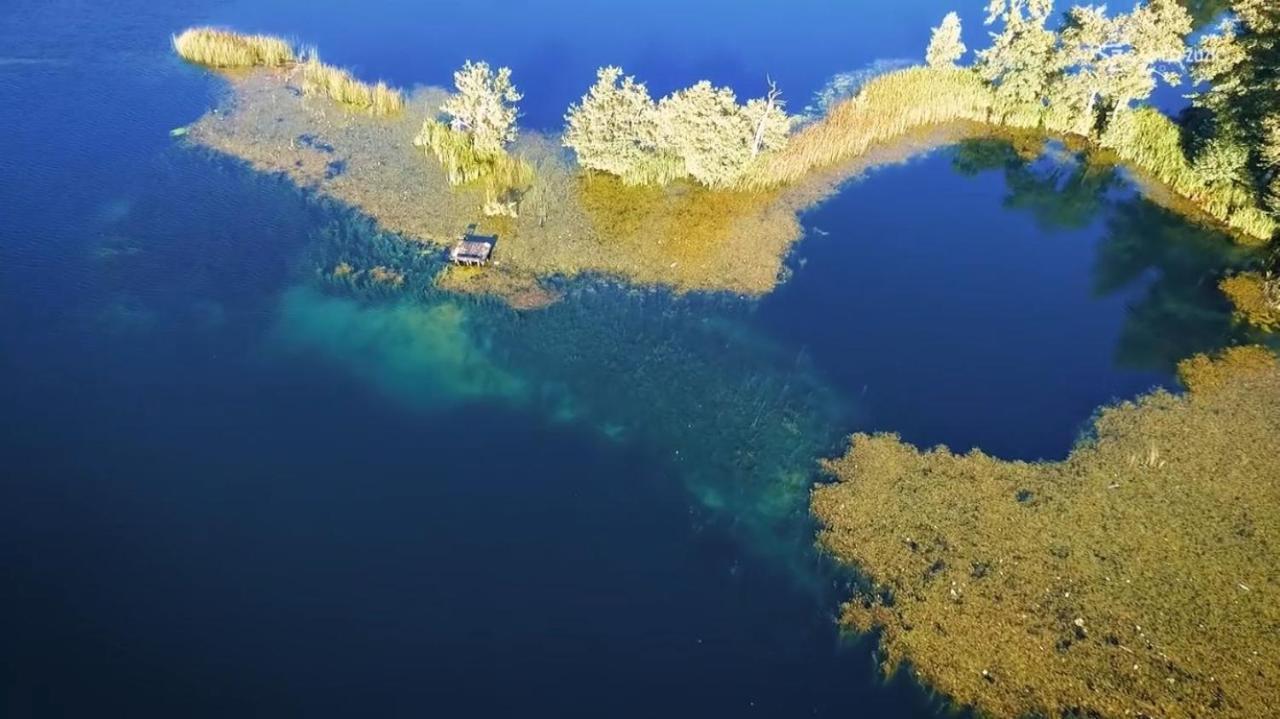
{"type": "Point", "coordinates": [473, 249]}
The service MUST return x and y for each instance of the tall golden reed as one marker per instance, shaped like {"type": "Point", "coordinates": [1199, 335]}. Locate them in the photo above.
{"type": "Point", "coordinates": [223, 48]}
{"type": "Point", "coordinates": [339, 85]}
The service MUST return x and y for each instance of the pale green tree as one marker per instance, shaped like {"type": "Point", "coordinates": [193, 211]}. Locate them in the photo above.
{"type": "Point", "coordinates": [700, 132]}
{"type": "Point", "coordinates": [1074, 95]}
{"type": "Point", "coordinates": [1022, 61]}
{"type": "Point", "coordinates": [1148, 43]}
{"type": "Point", "coordinates": [484, 107]}
{"type": "Point", "coordinates": [715, 138]}
{"type": "Point", "coordinates": [614, 128]}
{"type": "Point", "coordinates": [710, 132]}
{"type": "Point", "coordinates": [1239, 66]}
{"type": "Point", "coordinates": [945, 46]}
{"type": "Point", "coordinates": [1107, 64]}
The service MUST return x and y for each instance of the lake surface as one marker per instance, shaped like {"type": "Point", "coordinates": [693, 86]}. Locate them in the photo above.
{"type": "Point", "coordinates": [232, 489]}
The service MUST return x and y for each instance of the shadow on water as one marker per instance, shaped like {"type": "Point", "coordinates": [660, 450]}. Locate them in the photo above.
{"type": "Point", "coordinates": [1180, 311]}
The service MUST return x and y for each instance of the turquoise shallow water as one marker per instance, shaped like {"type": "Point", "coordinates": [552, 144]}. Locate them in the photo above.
{"type": "Point", "coordinates": [232, 489]}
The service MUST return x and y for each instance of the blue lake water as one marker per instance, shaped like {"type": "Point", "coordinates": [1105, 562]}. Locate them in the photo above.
{"type": "Point", "coordinates": [231, 490]}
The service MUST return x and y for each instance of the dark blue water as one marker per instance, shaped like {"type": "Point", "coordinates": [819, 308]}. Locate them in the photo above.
{"type": "Point", "coordinates": [229, 489]}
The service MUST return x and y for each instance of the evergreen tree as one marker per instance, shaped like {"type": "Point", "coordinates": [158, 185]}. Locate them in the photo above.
{"type": "Point", "coordinates": [709, 131]}
{"type": "Point", "coordinates": [1241, 65]}
{"type": "Point", "coordinates": [1022, 61]}
{"type": "Point", "coordinates": [945, 45]}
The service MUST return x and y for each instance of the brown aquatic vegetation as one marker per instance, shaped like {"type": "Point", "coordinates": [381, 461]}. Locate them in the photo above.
{"type": "Point", "coordinates": [225, 49]}
{"type": "Point", "coordinates": [1138, 577]}
{"type": "Point", "coordinates": [1256, 298]}
{"type": "Point", "coordinates": [565, 222]}
{"type": "Point", "coordinates": [519, 290]}
{"type": "Point", "coordinates": [386, 276]}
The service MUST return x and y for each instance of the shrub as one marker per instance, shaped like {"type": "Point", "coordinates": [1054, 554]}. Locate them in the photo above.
{"type": "Point", "coordinates": [223, 48]}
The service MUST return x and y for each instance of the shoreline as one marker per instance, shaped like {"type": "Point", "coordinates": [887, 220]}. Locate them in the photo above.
{"type": "Point", "coordinates": [573, 222]}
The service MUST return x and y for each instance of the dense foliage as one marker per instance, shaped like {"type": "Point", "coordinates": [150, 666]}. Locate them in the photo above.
{"type": "Point", "coordinates": [1240, 107]}
{"type": "Point", "coordinates": [700, 132]}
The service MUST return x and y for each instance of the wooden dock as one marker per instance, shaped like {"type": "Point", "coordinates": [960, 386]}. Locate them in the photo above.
{"type": "Point", "coordinates": [473, 249]}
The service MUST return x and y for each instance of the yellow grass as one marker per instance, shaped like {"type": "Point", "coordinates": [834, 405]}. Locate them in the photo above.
{"type": "Point", "coordinates": [888, 107]}
{"type": "Point", "coordinates": [339, 85]}
{"type": "Point", "coordinates": [223, 48]}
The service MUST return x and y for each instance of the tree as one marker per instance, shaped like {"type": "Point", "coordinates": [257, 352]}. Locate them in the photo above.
{"type": "Point", "coordinates": [945, 46]}
{"type": "Point", "coordinates": [709, 131]}
{"type": "Point", "coordinates": [700, 132]}
{"type": "Point", "coordinates": [1022, 61]}
{"type": "Point", "coordinates": [1107, 64]}
{"type": "Point", "coordinates": [1241, 66]}
{"type": "Point", "coordinates": [614, 128]}
{"type": "Point", "coordinates": [1147, 44]}
{"type": "Point", "coordinates": [773, 125]}
{"type": "Point", "coordinates": [483, 107]}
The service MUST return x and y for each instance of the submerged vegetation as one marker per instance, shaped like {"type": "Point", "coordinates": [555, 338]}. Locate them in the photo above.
{"type": "Point", "coordinates": [1256, 297]}
{"type": "Point", "coordinates": [1015, 587]}
{"type": "Point", "coordinates": [225, 49]}
{"type": "Point", "coordinates": [1135, 578]}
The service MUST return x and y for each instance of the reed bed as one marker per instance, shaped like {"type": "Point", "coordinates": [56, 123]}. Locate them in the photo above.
{"type": "Point", "coordinates": [899, 102]}
{"type": "Point", "coordinates": [225, 49]}
{"type": "Point", "coordinates": [463, 164]}
{"type": "Point", "coordinates": [888, 107]}
{"type": "Point", "coordinates": [339, 85]}
{"type": "Point", "coordinates": [1151, 142]}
